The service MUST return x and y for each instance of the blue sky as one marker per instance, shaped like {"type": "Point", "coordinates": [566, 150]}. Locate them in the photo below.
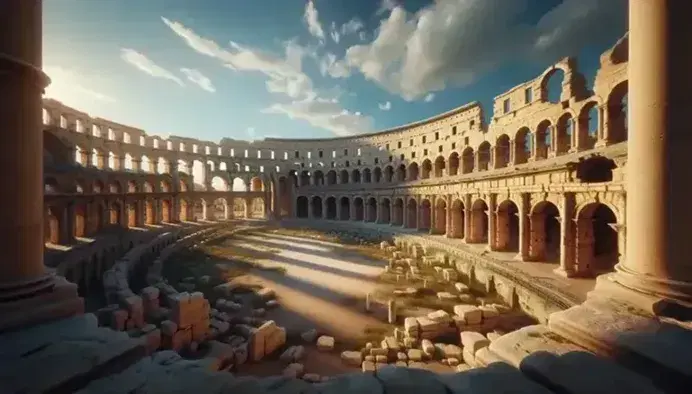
{"type": "Point", "coordinates": [250, 69]}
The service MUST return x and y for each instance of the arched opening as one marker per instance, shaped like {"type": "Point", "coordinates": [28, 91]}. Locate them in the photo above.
{"type": "Point", "coordinates": [412, 213]}
{"type": "Point", "coordinates": [149, 212]}
{"type": "Point", "coordinates": [389, 174]}
{"type": "Point", "coordinates": [318, 178]}
{"type": "Point", "coordinates": [484, 156]}
{"type": "Point", "coordinates": [355, 176]}
{"type": "Point", "coordinates": [239, 185]}
{"type": "Point", "coordinates": [597, 239]}
{"type": "Point", "coordinates": [343, 177]}
{"type": "Point", "coordinates": [440, 216]}
{"type": "Point", "coordinates": [617, 113]}
{"type": "Point", "coordinates": [285, 199]}
{"type": "Point", "coordinates": [543, 140]}
{"type": "Point", "coordinates": [257, 208]}
{"type": "Point", "coordinates": [240, 208]}
{"type": "Point", "coordinates": [256, 184]}
{"type": "Point", "coordinates": [146, 164]}
{"type": "Point", "coordinates": [344, 208]}
{"type": "Point", "coordinates": [588, 126]}
{"type": "Point", "coordinates": [479, 222]}
{"type": "Point", "coordinates": [52, 228]}
{"type": "Point", "coordinates": [165, 186]}
{"type": "Point", "coordinates": [502, 150]}
{"type": "Point", "coordinates": [183, 214]}
{"type": "Point", "coordinates": [132, 187]}
{"type": "Point", "coordinates": [80, 220]}
{"type": "Point", "coordinates": [439, 167]}
{"type": "Point", "coordinates": [467, 160]}
{"type": "Point", "coordinates": [371, 210]}
{"type": "Point", "coordinates": [458, 216]}
{"type": "Point", "coordinates": [50, 186]}
{"type": "Point", "coordinates": [377, 175]}
{"type": "Point", "coordinates": [454, 163]}
{"type": "Point", "coordinates": [162, 166]}
{"type": "Point", "coordinates": [331, 208]}
{"type": "Point", "coordinates": [523, 144]}
{"type": "Point", "coordinates": [358, 209]}
{"type": "Point", "coordinates": [304, 178]}
{"type": "Point", "coordinates": [425, 215]}
{"type": "Point", "coordinates": [551, 86]}
{"type": "Point", "coordinates": [367, 176]}
{"type": "Point", "coordinates": [545, 233]}
{"type": "Point", "coordinates": [331, 177]}
{"type": "Point", "coordinates": [426, 169]}
{"type": "Point", "coordinates": [302, 207]}
{"type": "Point", "coordinates": [114, 187]}
{"type": "Point", "coordinates": [98, 187]}
{"type": "Point", "coordinates": [412, 171]}
{"type": "Point", "coordinates": [115, 213]}
{"type": "Point", "coordinates": [166, 214]}
{"type": "Point", "coordinates": [401, 173]}
{"type": "Point", "coordinates": [317, 207]}
{"type": "Point", "coordinates": [507, 238]}
{"type": "Point", "coordinates": [398, 212]}
{"type": "Point", "coordinates": [131, 214]}
{"type": "Point", "coordinates": [385, 211]}
{"type": "Point", "coordinates": [563, 138]}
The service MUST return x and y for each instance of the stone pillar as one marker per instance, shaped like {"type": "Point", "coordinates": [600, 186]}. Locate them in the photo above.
{"type": "Point", "coordinates": [567, 236]}
{"type": "Point", "coordinates": [512, 153]}
{"type": "Point", "coordinates": [524, 230]}
{"type": "Point", "coordinates": [311, 214]}
{"type": "Point", "coordinates": [658, 215]}
{"type": "Point", "coordinates": [492, 222]}
{"type": "Point", "coordinates": [28, 294]}
{"type": "Point", "coordinates": [537, 243]}
{"type": "Point", "coordinates": [449, 228]}
{"type": "Point", "coordinates": [468, 237]}
{"type": "Point", "coordinates": [432, 213]}
{"type": "Point", "coordinates": [69, 220]}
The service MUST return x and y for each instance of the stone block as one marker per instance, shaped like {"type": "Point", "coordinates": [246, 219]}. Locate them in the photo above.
{"type": "Point", "coordinates": [325, 343]}
{"type": "Point", "coordinates": [294, 370]}
{"type": "Point", "coordinates": [473, 341]}
{"type": "Point", "coordinates": [368, 366]}
{"type": "Point", "coordinates": [380, 359]}
{"type": "Point", "coordinates": [440, 316]}
{"type": "Point", "coordinates": [427, 347]}
{"type": "Point", "coordinates": [470, 313]}
{"type": "Point", "coordinates": [352, 358]}
{"type": "Point", "coordinates": [309, 336]}
{"type": "Point", "coordinates": [489, 312]}
{"type": "Point", "coordinates": [274, 340]}
{"type": "Point", "coordinates": [469, 357]}
{"type": "Point", "coordinates": [415, 355]}
{"type": "Point", "coordinates": [461, 288]}
{"type": "Point", "coordinates": [452, 351]}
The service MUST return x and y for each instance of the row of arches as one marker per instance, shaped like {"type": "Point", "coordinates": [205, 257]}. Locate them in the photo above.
{"type": "Point", "coordinates": [595, 239]}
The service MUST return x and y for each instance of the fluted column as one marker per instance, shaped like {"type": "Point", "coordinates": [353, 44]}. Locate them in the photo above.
{"type": "Point", "coordinates": [27, 293]}
{"type": "Point", "coordinates": [658, 219]}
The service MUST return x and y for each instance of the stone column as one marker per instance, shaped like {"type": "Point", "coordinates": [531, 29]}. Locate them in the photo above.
{"type": "Point", "coordinates": [524, 230]}
{"type": "Point", "coordinates": [567, 236]}
{"type": "Point", "coordinates": [492, 222]}
{"type": "Point", "coordinates": [468, 237]}
{"type": "Point", "coordinates": [311, 214]}
{"type": "Point", "coordinates": [659, 252]}
{"type": "Point", "coordinates": [449, 228]}
{"type": "Point", "coordinates": [28, 294]}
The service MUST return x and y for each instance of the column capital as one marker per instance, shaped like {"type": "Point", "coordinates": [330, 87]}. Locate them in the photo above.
{"type": "Point", "coordinates": [21, 70]}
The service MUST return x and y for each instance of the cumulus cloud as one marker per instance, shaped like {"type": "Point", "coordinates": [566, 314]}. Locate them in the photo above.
{"type": "Point", "coordinates": [386, 5]}
{"type": "Point", "coordinates": [143, 63]}
{"type": "Point", "coordinates": [334, 68]}
{"type": "Point", "coordinates": [386, 106]}
{"type": "Point", "coordinates": [196, 77]}
{"type": "Point", "coordinates": [68, 86]}
{"type": "Point", "coordinates": [353, 26]}
{"type": "Point", "coordinates": [453, 42]}
{"type": "Point", "coordinates": [312, 20]}
{"type": "Point", "coordinates": [284, 77]}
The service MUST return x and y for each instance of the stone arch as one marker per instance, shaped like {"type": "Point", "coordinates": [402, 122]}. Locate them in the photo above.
{"type": "Point", "coordinates": [302, 207]}
{"type": "Point", "coordinates": [467, 160]}
{"type": "Point", "coordinates": [332, 211]}
{"type": "Point", "coordinates": [80, 220]}
{"type": "Point", "coordinates": [148, 187]}
{"type": "Point", "coordinates": [367, 175]}
{"type": "Point", "coordinates": [163, 166]}
{"type": "Point", "coordinates": [458, 219]}
{"type": "Point", "coordinates": [389, 174]}
{"type": "Point", "coordinates": [184, 209]}
{"type": "Point", "coordinates": [401, 173]}
{"type": "Point", "coordinates": [398, 212]}
{"type": "Point", "coordinates": [597, 243]}
{"type": "Point", "coordinates": [358, 209]}
{"type": "Point", "coordinates": [544, 139]}
{"type": "Point", "coordinates": [618, 113]}
{"type": "Point", "coordinates": [412, 213]}
{"type": "Point", "coordinates": [440, 166]}
{"type": "Point", "coordinates": [304, 178]}
{"type": "Point", "coordinates": [453, 163]}
{"type": "Point", "coordinates": [355, 176]}
{"type": "Point", "coordinates": [425, 211]}
{"type": "Point", "coordinates": [114, 210]}
{"type": "Point", "coordinates": [523, 145]}
{"type": "Point", "coordinates": [545, 232]}
{"type": "Point", "coordinates": [131, 208]}
{"type": "Point", "coordinates": [385, 208]}
{"type": "Point", "coordinates": [507, 229]}
{"type": "Point", "coordinates": [219, 209]}
{"type": "Point", "coordinates": [149, 211]}
{"type": "Point", "coordinates": [257, 208]}
{"type": "Point", "coordinates": [503, 151]}
{"type": "Point", "coordinates": [479, 222]}
{"type": "Point", "coordinates": [165, 186]}
{"type": "Point", "coordinates": [114, 187]}
{"type": "Point", "coordinates": [239, 185]}
{"type": "Point", "coordinates": [564, 133]}
{"type": "Point", "coordinates": [146, 164]}
{"type": "Point", "coordinates": [256, 184]}
{"type": "Point", "coordinates": [426, 169]}
{"type": "Point", "coordinates": [132, 187]}
{"type": "Point", "coordinates": [98, 187]}
{"type": "Point", "coordinates": [413, 172]}
{"type": "Point", "coordinates": [343, 177]}
{"type": "Point", "coordinates": [51, 186]}
{"type": "Point", "coordinates": [552, 83]}
{"type": "Point", "coordinates": [331, 177]}
{"type": "Point", "coordinates": [371, 210]}
{"type": "Point", "coordinates": [377, 175]}
{"type": "Point", "coordinates": [344, 208]}
{"type": "Point", "coordinates": [317, 207]}
{"type": "Point", "coordinates": [440, 216]}
{"type": "Point", "coordinates": [588, 126]}
{"type": "Point", "coordinates": [484, 156]}
{"type": "Point", "coordinates": [318, 178]}
{"type": "Point", "coordinates": [166, 211]}
{"type": "Point", "coordinates": [240, 208]}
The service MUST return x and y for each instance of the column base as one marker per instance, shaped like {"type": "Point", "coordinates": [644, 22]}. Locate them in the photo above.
{"type": "Point", "coordinates": [564, 273]}
{"type": "Point", "coordinates": [653, 295]}
{"type": "Point", "coordinates": [49, 298]}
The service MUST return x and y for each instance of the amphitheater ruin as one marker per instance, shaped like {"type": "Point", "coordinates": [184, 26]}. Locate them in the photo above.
{"type": "Point", "coordinates": [539, 206]}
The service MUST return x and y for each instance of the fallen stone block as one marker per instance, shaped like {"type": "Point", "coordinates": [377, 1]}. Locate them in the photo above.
{"type": "Point", "coordinates": [473, 341]}
{"type": "Point", "coordinates": [470, 313]}
{"type": "Point", "coordinates": [352, 358]}
{"type": "Point", "coordinates": [325, 343]}
{"type": "Point", "coordinates": [309, 336]}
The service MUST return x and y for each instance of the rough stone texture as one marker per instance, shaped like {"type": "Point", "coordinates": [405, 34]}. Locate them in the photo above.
{"type": "Point", "coordinates": [325, 343]}
{"type": "Point", "coordinates": [473, 341]}
{"type": "Point", "coordinates": [515, 346]}
{"type": "Point", "coordinates": [352, 358]}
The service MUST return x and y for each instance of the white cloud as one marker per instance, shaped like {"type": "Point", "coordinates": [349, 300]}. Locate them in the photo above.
{"type": "Point", "coordinates": [386, 5]}
{"type": "Point", "coordinates": [68, 86]}
{"type": "Point", "coordinates": [334, 33]}
{"type": "Point", "coordinates": [335, 68]}
{"type": "Point", "coordinates": [429, 97]}
{"type": "Point", "coordinates": [148, 66]}
{"type": "Point", "coordinates": [196, 77]}
{"type": "Point", "coordinates": [363, 35]}
{"type": "Point", "coordinates": [453, 42]}
{"type": "Point", "coordinates": [326, 114]}
{"type": "Point", "coordinates": [284, 77]}
{"type": "Point", "coordinates": [386, 106]}
{"type": "Point", "coordinates": [312, 20]}
{"type": "Point", "coordinates": [353, 26]}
